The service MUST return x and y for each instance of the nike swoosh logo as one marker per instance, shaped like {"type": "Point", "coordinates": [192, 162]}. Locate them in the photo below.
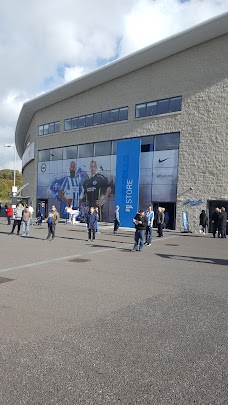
{"type": "Point", "coordinates": [163, 160]}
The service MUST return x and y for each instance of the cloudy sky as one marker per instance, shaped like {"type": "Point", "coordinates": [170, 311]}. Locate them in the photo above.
{"type": "Point", "coordinates": [44, 44]}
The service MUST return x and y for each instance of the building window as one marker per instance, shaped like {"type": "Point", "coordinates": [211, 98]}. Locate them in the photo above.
{"type": "Point", "coordinates": [74, 123]}
{"type": "Point", "coordinates": [81, 121]}
{"type": "Point", "coordinates": [151, 108]}
{"type": "Point", "coordinates": [114, 115]}
{"type": "Point", "coordinates": [97, 118]}
{"type": "Point", "coordinates": [85, 150]}
{"type": "Point", "coordinates": [70, 152]}
{"type": "Point", "coordinates": [40, 130]}
{"type": "Point", "coordinates": [123, 114]}
{"type": "Point", "coordinates": [167, 141]}
{"type": "Point", "coordinates": [56, 154]}
{"type": "Point", "coordinates": [140, 110]}
{"type": "Point", "coordinates": [44, 155]}
{"type": "Point", "coordinates": [102, 148]}
{"type": "Point", "coordinates": [57, 126]}
{"type": "Point", "coordinates": [50, 128]}
{"type": "Point", "coordinates": [175, 104]}
{"type": "Point", "coordinates": [46, 129]}
{"type": "Point", "coordinates": [105, 117]}
{"type": "Point", "coordinates": [89, 120]}
{"type": "Point", "coordinates": [158, 107]}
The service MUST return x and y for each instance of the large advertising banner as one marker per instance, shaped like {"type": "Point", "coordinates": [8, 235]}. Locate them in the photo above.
{"type": "Point", "coordinates": [127, 179]}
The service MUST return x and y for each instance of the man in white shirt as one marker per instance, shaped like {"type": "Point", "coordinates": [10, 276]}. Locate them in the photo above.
{"type": "Point", "coordinates": [149, 228]}
{"type": "Point", "coordinates": [31, 210]}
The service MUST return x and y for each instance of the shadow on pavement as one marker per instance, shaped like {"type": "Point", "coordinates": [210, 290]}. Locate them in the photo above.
{"type": "Point", "coordinates": [208, 260]}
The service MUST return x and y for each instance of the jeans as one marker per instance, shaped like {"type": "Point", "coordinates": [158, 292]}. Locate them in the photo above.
{"type": "Point", "coordinates": [16, 222]}
{"type": "Point", "coordinates": [116, 225]}
{"type": "Point", "coordinates": [26, 228]}
{"type": "Point", "coordinates": [139, 239]}
{"type": "Point", "coordinates": [148, 234]}
{"type": "Point", "coordinates": [51, 231]}
{"type": "Point", "coordinates": [160, 230]}
{"type": "Point", "coordinates": [90, 232]}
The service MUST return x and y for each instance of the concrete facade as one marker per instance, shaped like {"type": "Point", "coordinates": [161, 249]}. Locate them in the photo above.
{"type": "Point", "coordinates": [200, 75]}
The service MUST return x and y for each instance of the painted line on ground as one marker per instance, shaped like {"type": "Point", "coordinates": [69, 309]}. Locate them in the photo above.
{"type": "Point", "coordinates": [61, 258]}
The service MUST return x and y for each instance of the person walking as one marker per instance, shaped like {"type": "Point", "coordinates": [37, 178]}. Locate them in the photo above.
{"type": "Point", "coordinates": [18, 212]}
{"type": "Point", "coordinates": [149, 227]}
{"type": "Point", "coordinates": [96, 209]}
{"type": "Point", "coordinates": [92, 219]}
{"type": "Point", "coordinates": [116, 219]}
{"type": "Point", "coordinates": [52, 220]}
{"type": "Point", "coordinates": [9, 214]}
{"type": "Point", "coordinates": [31, 210]}
{"type": "Point", "coordinates": [160, 221]}
{"type": "Point", "coordinates": [223, 223]}
{"type": "Point", "coordinates": [215, 221]}
{"type": "Point", "coordinates": [26, 220]}
{"type": "Point", "coordinates": [141, 222]}
{"type": "Point", "coordinates": [203, 222]}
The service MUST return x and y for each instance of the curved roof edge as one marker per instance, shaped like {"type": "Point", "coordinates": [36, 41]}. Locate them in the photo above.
{"type": "Point", "coordinates": [196, 35]}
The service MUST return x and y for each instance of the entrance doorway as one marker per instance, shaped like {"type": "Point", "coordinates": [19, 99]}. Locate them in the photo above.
{"type": "Point", "coordinates": [170, 213]}
{"type": "Point", "coordinates": [44, 204]}
{"type": "Point", "coordinates": [211, 205]}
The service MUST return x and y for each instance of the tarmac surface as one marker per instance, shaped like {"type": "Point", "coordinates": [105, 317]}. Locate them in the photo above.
{"type": "Point", "coordinates": [95, 323]}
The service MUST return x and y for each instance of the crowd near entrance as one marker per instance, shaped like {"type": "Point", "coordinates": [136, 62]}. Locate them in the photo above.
{"type": "Point", "coordinates": [211, 205]}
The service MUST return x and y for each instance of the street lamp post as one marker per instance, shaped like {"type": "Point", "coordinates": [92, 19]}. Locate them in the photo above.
{"type": "Point", "coordinates": [14, 188]}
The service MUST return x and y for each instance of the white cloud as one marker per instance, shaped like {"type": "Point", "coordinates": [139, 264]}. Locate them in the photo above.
{"type": "Point", "coordinates": [44, 44]}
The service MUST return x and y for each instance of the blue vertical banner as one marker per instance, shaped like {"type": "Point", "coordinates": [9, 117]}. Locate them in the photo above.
{"type": "Point", "coordinates": [127, 180]}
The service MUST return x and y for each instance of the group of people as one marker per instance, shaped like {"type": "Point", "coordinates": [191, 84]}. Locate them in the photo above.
{"type": "Point", "coordinates": [21, 215]}
{"type": "Point", "coordinates": [219, 222]}
{"type": "Point", "coordinates": [144, 226]}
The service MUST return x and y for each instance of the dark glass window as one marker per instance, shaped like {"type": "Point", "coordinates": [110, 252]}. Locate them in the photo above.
{"type": "Point", "coordinates": [105, 117]}
{"type": "Point", "coordinates": [151, 108]}
{"type": "Point", "coordinates": [89, 120]}
{"type": "Point", "coordinates": [114, 115]}
{"type": "Point", "coordinates": [163, 106]}
{"type": "Point", "coordinates": [56, 154]}
{"type": "Point", "coordinates": [140, 110]}
{"type": "Point", "coordinates": [103, 148]}
{"type": "Point", "coordinates": [85, 150]}
{"type": "Point", "coordinates": [175, 104]}
{"type": "Point", "coordinates": [97, 118]}
{"type": "Point", "coordinates": [81, 121]}
{"type": "Point", "coordinates": [167, 141]}
{"type": "Point", "coordinates": [46, 129]}
{"type": "Point", "coordinates": [123, 114]}
{"type": "Point", "coordinates": [70, 152]}
{"type": "Point", "coordinates": [74, 123]}
{"type": "Point", "coordinates": [67, 125]}
{"type": "Point", "coordinates": [57, 126]}
{"type": "Point", "coordinates": [40, 130]}
{"type": "Point", "coordinates": [51, 128]}
{"type": "Point", "coordinates": [114, 146]}
{"type": "Point", "coordinates": [44, 155]}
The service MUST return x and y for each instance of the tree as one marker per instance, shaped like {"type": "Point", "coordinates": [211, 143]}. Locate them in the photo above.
{"type": "Point", "coordinates": [6, 183]}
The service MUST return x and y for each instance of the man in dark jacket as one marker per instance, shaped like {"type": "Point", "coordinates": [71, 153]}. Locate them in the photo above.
{"type": "Point", "coordinates": [160, 221]}
{"type": "Point", "coordinates": [141, 223]}
{"type": "Point", "coordinates": [222, 223]}
{"type": "Point", "coordinates": [215, 218]}
{"type": "Point", "coordinates": [92, 224]}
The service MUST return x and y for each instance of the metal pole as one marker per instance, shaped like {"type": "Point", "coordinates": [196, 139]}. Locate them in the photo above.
{"type": "Point", "coordinates": [14, 172]}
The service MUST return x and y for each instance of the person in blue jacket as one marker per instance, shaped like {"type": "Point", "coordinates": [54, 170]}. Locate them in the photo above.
{"type": "Point", "coordinates": [92, 224]}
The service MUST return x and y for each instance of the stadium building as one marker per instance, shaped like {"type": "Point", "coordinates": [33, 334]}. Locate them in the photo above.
{"type": "Point", "coordinates": [167, 102]}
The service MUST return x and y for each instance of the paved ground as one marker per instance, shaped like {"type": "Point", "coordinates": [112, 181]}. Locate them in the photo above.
{"type": "Point", "coordinates": [86, 323]}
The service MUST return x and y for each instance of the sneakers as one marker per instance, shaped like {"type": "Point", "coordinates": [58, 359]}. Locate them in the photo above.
{"type": "Point", "coordinates": [148, 244]}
